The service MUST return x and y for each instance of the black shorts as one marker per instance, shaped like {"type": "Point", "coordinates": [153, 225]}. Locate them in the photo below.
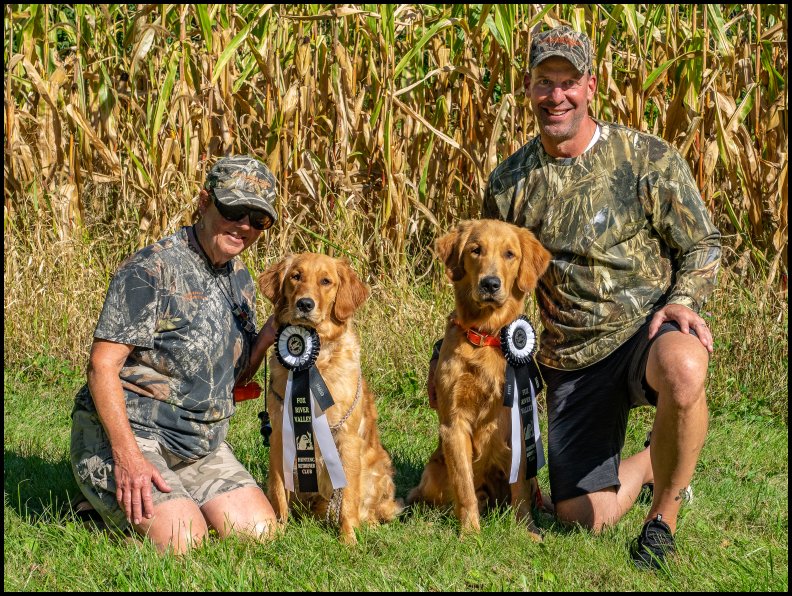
{"type": "Point", "coordinates": [587, 413]}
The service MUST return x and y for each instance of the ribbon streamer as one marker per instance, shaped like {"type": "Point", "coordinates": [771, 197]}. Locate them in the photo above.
{"type": "Point", "coordinates": [305, 401]}
{"type": "Point", "coordinates": [522, 382]}
{"type": "Point", "coordinates": [521, 422]}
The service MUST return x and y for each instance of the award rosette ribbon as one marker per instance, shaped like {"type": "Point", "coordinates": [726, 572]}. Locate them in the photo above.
{"type": "Point", "coordinates": [304, 404]}
{"type": "Point", "coordinates": [523, 382]}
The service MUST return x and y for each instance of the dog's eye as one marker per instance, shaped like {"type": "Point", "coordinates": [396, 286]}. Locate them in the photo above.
{"type": "Point", "coordinates": [509, 254]}
{"type": "Point", "coordinates": [295, 276]}
{"type": "Point", "coordinates": [325, 281]}
{"type": "Point", "coordinates": [476, 250]}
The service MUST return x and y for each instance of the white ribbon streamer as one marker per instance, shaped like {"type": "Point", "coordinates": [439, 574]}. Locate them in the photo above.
{"type": "Point", "coordinates": [289, 447]}
{"type": "Point", "coordinates": [327, 445]}
{"type": "Point", "coordinates": [517, 435]}
{"type": "Point", "coordinates": [323, 437]}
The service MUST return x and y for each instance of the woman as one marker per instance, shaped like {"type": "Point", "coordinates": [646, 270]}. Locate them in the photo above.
{"type": "Point", "coordinates": [176, 335]}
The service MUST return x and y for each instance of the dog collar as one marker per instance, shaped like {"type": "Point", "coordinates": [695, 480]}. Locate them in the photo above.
{"type": "Point", "coordinates": [477, 338]}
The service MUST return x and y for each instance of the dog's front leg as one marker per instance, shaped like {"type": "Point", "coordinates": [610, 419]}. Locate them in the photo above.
{"type": "Point", "coordinates": [351, 453]}
{"type": "Point", "coordinates": [521, 497]}
{"type": "Point", "coordinates": [458, 450]}
{"type": "Point", "coordinates": [276, 487]}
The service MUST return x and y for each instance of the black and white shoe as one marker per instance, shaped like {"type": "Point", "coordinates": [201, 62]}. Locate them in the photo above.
{"type": "Point", "coordinates": [654, 545]}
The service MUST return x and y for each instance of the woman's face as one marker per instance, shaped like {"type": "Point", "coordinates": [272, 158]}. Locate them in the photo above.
{"type": "Point", "coordinates": [222, 239]}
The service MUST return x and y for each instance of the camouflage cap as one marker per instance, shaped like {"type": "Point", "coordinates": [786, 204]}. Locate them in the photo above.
{"type": "Point", "coordinates": [242, 180]}
{"type": "Point", "coordinates": [565, 43]}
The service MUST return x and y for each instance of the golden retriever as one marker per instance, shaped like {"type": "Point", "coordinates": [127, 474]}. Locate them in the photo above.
{"type": "Point", "coordinates": [492, 265]}
{"type": "Point", "coordinates": [322, 292]}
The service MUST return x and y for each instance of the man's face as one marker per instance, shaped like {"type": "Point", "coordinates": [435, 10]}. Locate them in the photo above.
{"type": "Point", "coordinates": [560, 96]}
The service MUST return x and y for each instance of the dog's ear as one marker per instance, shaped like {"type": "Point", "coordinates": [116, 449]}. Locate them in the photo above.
{"type": "Point", "coordinates": [352, 292]}
{"type": "Point", "coordinates": [271, 281]}
{"type": "Point", "coordinates": [449, 248]}
{"type": "Point", "coordinates": [535, 260]}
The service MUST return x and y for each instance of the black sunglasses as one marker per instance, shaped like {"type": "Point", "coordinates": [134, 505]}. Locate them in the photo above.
{"type": "Point", "coordinates": [261, 220]}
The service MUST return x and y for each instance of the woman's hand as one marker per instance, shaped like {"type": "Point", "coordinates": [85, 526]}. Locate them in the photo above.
{"type": "Point", "coordinates": [134, 475]}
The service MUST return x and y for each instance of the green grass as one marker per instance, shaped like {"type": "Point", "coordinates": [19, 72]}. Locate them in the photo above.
{"type": "Point", "coordinates": [733, 537]}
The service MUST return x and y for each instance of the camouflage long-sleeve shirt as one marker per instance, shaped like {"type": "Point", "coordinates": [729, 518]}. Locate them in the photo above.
{"type": "Point", "coordinates": [175, 308]}
{"type": "Point", "coordinates": [628, 232]}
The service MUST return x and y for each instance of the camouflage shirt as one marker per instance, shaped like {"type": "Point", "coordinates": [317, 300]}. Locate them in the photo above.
{"type": "Point", "coordinates": [628, 232]}
{"type": "Point", "coordinates": [175, 308]}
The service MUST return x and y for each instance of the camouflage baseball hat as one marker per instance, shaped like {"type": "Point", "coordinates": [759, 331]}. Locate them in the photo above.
{"type": "Point", "coordinates": [565, 43]}
{"type": "Point", "coordinates": [242, 180]}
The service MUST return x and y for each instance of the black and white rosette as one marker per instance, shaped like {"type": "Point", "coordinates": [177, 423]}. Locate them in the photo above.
{"type": "Point", "coordinates": [523, 382]}
{"type": "Point", "coordinates": [304, 404]}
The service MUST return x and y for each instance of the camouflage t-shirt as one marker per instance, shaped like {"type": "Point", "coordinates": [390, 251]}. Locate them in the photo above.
{"type": "Point", "coordinates": [169, 302]}
{"type": "Point", "coordinates": [627, 230]}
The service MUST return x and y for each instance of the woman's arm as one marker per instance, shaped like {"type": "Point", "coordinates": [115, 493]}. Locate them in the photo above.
{"type": "Point", "coordinates": [133, 472]}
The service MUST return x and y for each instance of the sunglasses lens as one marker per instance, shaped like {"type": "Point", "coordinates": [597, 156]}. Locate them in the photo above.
{"type": "Point", "coordinates": [230, 213]}
{"type": "Point", "coordinates": [260, 220]}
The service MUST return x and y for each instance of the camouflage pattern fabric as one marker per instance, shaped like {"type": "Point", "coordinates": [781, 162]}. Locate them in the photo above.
{"type": "Point", "coordinates": [242, 180]}
{"type": "Point", "coordinates": [628, 232]}
{"type": "Point", "coordinates": [565, 43]}
{"type": "Point", "coordinates": [169, 302]}
{"type": "Point", "coordinates": [202, 480]}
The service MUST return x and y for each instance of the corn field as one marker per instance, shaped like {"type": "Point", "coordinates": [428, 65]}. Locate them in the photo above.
{"type": "Point", "coordinates": [380, 122]}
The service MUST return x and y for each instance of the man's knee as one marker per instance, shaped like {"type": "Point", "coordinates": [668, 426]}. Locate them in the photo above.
{"type": "Point", "coordinates": [593, 511]}
{"type": "Point", "coordinates": [677, 369]}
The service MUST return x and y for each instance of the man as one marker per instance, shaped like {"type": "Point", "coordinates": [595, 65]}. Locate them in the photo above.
{"type": "Point", "coordinates": [634, 256]}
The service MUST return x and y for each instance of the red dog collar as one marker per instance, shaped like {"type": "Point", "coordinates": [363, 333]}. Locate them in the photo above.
{"type": "Point", "coordinates": [477, 338]}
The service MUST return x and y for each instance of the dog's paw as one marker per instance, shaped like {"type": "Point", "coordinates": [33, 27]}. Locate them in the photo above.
{"type": "Point", "coordinates": [348, 537]}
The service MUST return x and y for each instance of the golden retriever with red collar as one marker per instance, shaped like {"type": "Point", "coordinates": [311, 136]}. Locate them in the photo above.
{"type": "Point", "coordinates": [493, 265]}
{"type": "Point", "coordinates": [322, 292]}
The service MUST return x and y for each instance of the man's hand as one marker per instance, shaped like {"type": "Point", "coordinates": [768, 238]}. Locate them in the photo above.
{"type": "Point", "coordinates": [687, 320]}
{"type": "Point", "coordinates": [430, 384]}
{"type": "Point", "coordinates": [134, 475]}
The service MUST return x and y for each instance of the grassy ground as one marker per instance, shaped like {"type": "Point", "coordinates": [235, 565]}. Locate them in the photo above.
{"type": "Point", "coordinates": [733, 537]}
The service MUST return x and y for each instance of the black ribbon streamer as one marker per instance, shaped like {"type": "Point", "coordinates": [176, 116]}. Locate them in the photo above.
{"type": "Point", "coordinates": [521, 375]}
{"type": "Point", "coordinates": [305, 380]}
{"type": "Point", "coordinates": [303, 432]}
{"type": "Point", "coordinates": [521, 378]}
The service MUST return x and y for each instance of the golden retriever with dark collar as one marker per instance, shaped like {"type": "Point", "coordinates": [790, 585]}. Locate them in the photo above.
{"type": "Point", "coordinates": [321, 292]}
{"type": "Point", "coordinates": [493, 265]}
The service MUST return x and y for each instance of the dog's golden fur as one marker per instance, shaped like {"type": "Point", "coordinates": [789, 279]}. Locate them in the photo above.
{"type": "Point", "coordinates": [336, 293]}
{"type": "Point", "coordinates": [470, 467]}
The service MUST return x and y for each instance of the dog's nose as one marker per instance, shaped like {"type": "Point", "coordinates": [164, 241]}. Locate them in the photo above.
{"type": "Point", "coordinates": [305, 304]}
{"type": "Point", "coordinates": [490, 284]}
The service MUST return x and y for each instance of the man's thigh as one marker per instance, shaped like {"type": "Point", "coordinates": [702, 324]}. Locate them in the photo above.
{"type": "Point", "coordinates": [587, 412]}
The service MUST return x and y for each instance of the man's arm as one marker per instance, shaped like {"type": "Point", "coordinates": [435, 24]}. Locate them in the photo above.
{"type": "Point", "coordinates": [681, 219]}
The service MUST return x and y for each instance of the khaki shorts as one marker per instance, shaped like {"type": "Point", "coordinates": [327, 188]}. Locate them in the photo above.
{"type": "Point", "coordinates": [201, 481]}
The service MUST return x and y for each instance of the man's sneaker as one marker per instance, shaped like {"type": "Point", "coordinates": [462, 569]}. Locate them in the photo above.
{"type": "Point", "coordinates": [654, 544]}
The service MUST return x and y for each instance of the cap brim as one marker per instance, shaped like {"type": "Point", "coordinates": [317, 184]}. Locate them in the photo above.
{"type": "Point", "coordinates": [232, 197]}
{"type": "Point", "coordinates": [553, 54]}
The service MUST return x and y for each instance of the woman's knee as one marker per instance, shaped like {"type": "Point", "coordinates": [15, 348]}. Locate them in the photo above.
{"type": "Point", "coordinates": [177, 526]}
{"type": "Point", "coordinates": [245, 510]}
